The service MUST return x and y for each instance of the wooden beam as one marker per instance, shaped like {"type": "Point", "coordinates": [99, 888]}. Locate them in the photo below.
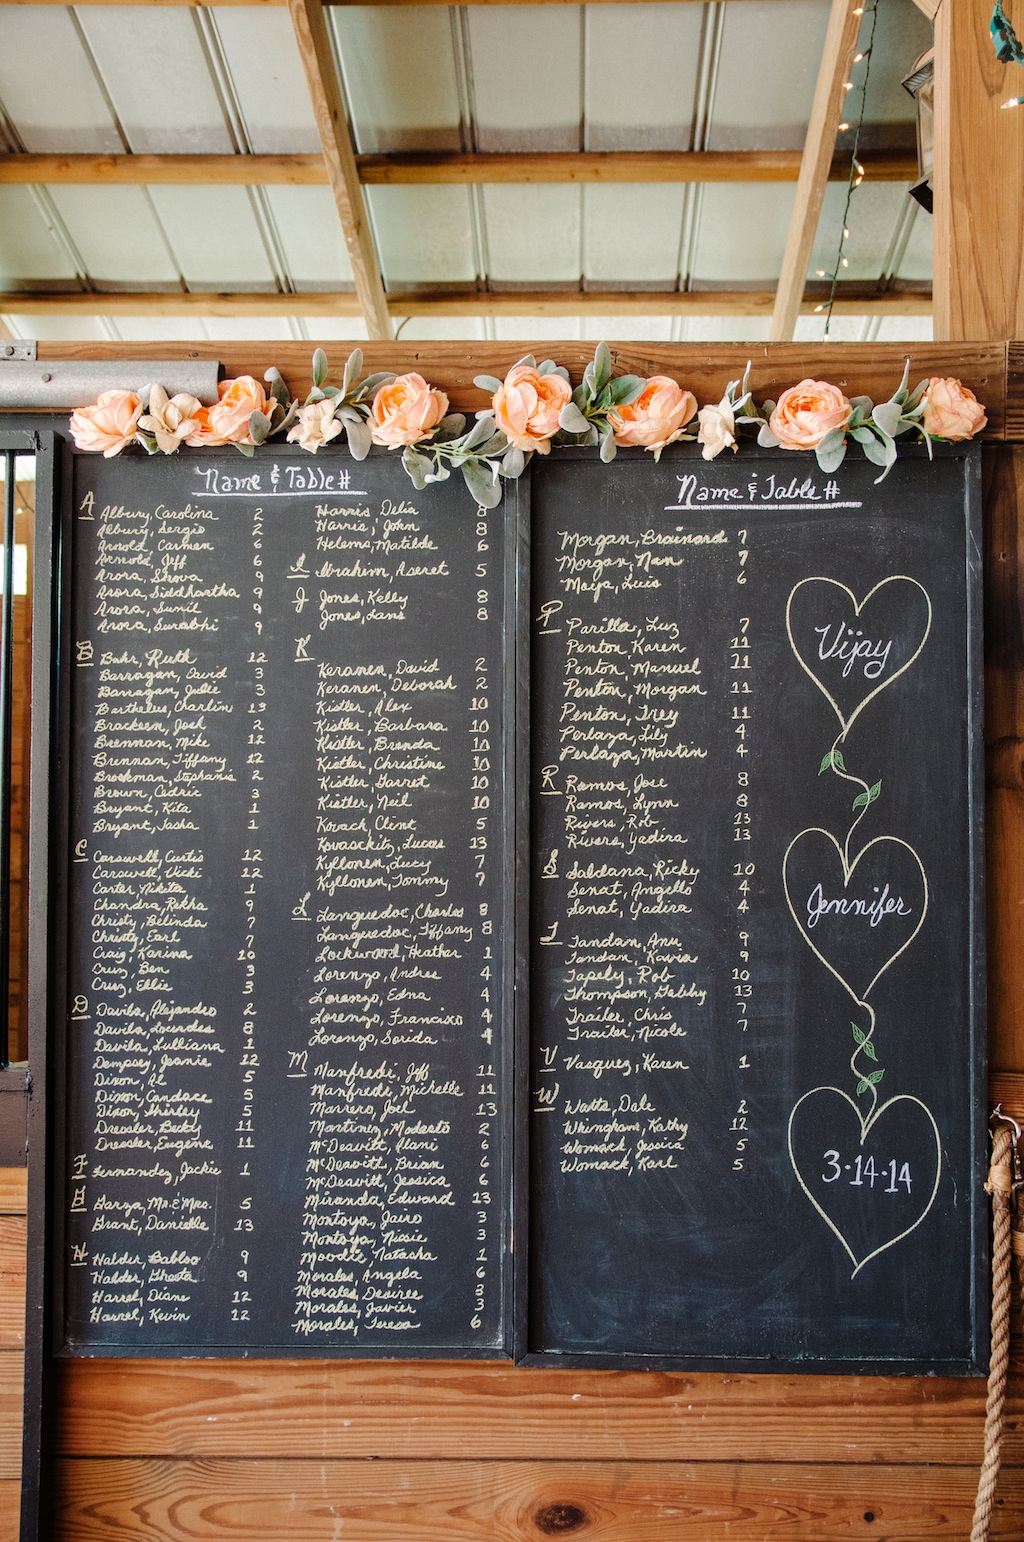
{"type": "Point", "coordinates": [978, 181]}
{"type": "Point", "coordinates": [201, 4]}
{"type": "Point", "coordinates": [336, 143]}
{"type": "Point", "coordinates": [826, 111]}
{"type": "Point", "coordinates": [852, 300]}
{"type": "Point", "coordinates": [434, 168]}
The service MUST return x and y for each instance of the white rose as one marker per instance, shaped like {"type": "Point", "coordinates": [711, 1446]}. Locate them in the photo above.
{"type": "Point", "coordinates": [716, 430]}
{"type": "Point", "coordinates": [316, 426]}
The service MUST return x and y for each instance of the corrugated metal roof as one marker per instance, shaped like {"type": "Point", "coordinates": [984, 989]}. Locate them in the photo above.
{"type": "Point", "coordinates": [682, 76]}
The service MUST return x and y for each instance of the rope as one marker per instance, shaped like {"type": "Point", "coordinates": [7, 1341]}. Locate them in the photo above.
{"type": "Point", "coordinates": [1001, 1187]}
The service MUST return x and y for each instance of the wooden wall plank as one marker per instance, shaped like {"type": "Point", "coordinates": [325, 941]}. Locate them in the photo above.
{"type": "Point", "coordinates": [12, 1371]}
{"type": "Point", "coordinates": [12, 1282]}
{"type": "Point", "coordinates": [873, 369]}
{"type": "Point", "coordinates": [10, 1510]}
{"type": "Point", "coordinates": [104, 1500]}
{"type": "Point", "coordinates": [13, 1190]}
{"type": "Point", "coordinates": [978, 181]}
{"type": "Point", "coordinates": [332, 1409]}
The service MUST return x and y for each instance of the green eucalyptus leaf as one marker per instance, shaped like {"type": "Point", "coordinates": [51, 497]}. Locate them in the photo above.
{"type": "Point", "coordinates": [874, 450]}
{"type": "Point", "coordinates": [514, 463]}
{"type": "Point", "coordinates": [372, 384]}
{"type": "Point", "coordinates": [319, 367]}
{"type": "Point", "coordinates": [625, 389]}
{"type": "Point", "coordinates": [450, 427]}
{"type": "Point", "coordinates": [831, 452]}
{"type": "Point", "coordinates": [887, 416]}
{"type": "Point", "coordinates": [497, 444]}
{"type": "Point", "coordinates": [316, 395]}
{"type": "Point", "coordinates": [247, 450]}
{"type": "Point", "coordinates": [765, 437]}
{"type": "Point", "coordinates": [353, 365]}
{"type": "Point", "coordinates": [602, 365]}
{"type": "Point", "coordinates": [358, 435]}
{"type": "Point", "coordinates": [479, 434]}
{"type": "Point", "coordinates": [572, 420]}
{"type": "Point", "coordinates": [483, 483]}
{"type": "Point", "coordinates": [489, 383]}
{"type": "Point", "coordinates": [259, 427]}
{"type": "Point", "coordinates": [862, 404]}
{"type": "Point", "coordinates": [862, 435]}
{"type": "Point", "coordinates": [608, 446]}
{"type": "Point", "coordinates": [418, 467]}
{"type": "Point", "coordinates": [914, 399]}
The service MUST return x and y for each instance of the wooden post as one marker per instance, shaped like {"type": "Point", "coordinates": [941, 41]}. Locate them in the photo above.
{"type": "Point", "coordinates": [979, 294]}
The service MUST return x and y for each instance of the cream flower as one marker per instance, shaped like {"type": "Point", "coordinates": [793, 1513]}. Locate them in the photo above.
{"type": "Point", "coordinates": [717, 429]}
{"type": "Point", "coordinates": [316, 426]}
{"type": "Point", "coordinates": [170, 421]}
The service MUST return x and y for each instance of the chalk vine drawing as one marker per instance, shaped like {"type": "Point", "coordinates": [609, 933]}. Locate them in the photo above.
{"type": "Point", "coordinates": [855, 926]}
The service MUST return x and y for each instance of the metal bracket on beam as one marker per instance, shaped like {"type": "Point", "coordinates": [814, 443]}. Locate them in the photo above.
{"type": "Point", "coordinates": [17, 352]}
{"type": "Point", "coordinates": [59, 384]}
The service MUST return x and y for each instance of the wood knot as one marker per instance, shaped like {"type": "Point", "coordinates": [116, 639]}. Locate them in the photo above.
{"type": "Point", "coordinates": [558, 1519]}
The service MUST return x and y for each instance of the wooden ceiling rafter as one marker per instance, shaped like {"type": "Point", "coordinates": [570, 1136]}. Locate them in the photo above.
{"type": "Point", "coordinates": [854, 299]}
{"type": "Point", "coordinates": [314, 47]}
{"type": "Point", "coordinates": [819, 148]}
{"type": "Point", "coordinates": [602, 166]}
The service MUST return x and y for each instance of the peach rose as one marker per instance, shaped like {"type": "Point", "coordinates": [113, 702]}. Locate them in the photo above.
{"type": "Point", "coordinates": [526, 407]}
{"type": "Point", "coordinates": [405, 411]}
{"type": "Point", "coordinates": [170, 420]}
{"type": "Point", "coordinates": [109, 425]}
{"type": "Point", "coordinates": [316, 426]}
{"type": "Point", "coordinates": [951, 411]}
{"type": "Point", "coordinates": [227, 421]}
{"type": "Point", "coordinates": [657, 416]}
{"type": "Point", "coordinates": [807, 412]}
{"type": "Point", "coordinates": [717, 429]}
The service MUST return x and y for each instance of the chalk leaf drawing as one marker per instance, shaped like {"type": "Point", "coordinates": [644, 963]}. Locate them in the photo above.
{"type": "Point", "coordinates": [873, 1178]}
{"type": "Point", "coordinates": [856, 916]}
{"type": "Point", "coordinates": [851, 648]}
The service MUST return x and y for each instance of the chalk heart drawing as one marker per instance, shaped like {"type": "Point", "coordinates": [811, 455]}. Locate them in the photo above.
{"type": "Point", "coordinates": [852, 649]}
{"type": "Point", "coordinates": [857, 918]}
{"type": "Point", "coordinates": [831, 1146]}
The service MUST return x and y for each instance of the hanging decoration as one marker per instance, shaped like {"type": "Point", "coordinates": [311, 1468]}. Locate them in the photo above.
{"type": "Point", "coordinates": [533, 408]}
{"type": "Point", "coordinates": [1006, 44]}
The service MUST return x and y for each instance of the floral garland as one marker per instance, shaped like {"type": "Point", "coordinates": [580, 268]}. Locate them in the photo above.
{"type": "Point", "coordinates": [534, 407]}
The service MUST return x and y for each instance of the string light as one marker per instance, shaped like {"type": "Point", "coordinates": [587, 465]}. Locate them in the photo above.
{"type": "Point", "coordinates": [857, 171]}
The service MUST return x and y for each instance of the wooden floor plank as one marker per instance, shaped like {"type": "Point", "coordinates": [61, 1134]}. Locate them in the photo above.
{"type": "Point", "coordinates": [107, 1500]}
{"type": "Point", "coordinates": [13, 1189]}
{"type": "Point", "coordinates": [12, 1281]}
{"type": "Point", "coordinates": [332, 1409]}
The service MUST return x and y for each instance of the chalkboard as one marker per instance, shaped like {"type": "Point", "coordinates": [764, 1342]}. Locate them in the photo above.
{"type": "Point", "coordinates": [287, 1066]}
{"type": "Point", "coordinates": [553, 933]}
{"type": "Point", "coordinates": [756, 949]}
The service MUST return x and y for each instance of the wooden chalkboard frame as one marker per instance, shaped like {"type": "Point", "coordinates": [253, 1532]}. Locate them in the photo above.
{"type": "Point", "coordinates": [519, 1346]}
{"type": "Point", "coordinates": [974, 1360]}
{"type": "Point", "coordinates": [514, 516]}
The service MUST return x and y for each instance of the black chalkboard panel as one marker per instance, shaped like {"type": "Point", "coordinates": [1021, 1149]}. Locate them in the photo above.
{"type": "Point", "coordinates": [287, 1068]}
{"type": "Point", "coordinates": [756, 950]}
{"type": "Point", "coordinates": [350, 782]}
